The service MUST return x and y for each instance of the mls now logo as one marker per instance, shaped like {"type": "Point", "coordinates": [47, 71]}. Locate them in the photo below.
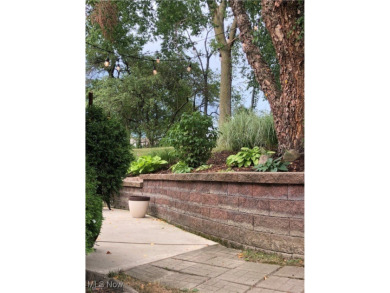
{"type": "Point", "coordinates": [102, 284]}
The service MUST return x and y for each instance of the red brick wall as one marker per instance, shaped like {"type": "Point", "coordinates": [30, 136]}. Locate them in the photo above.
{"type": "Point", "coordinates": [265, 216]}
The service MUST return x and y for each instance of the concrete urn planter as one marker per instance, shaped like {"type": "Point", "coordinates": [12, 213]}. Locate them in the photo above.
{"type": "Point", "coordinates": [138, 205]}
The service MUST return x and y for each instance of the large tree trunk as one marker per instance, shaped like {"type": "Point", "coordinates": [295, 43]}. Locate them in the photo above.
{"type": "Point", "coordinates": [225, 94]}
{"type": "Point", "coordinates": [287, 106]}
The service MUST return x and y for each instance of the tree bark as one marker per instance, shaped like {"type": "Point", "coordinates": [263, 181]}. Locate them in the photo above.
{"type": "Point", "coordinates": [287, 106]}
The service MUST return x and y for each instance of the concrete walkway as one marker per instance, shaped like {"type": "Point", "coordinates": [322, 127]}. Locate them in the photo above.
{"type": "Point", "coordinates": [125, 242]}
{"type": "Point", "coordinates": [179, 259]}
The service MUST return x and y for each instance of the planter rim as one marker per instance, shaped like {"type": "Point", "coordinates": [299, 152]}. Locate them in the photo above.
{"type": "Point", "coordinates": [139, 198]}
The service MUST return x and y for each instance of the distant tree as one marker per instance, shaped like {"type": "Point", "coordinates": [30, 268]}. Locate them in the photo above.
{"type": "Point", "coordinates": [149, 104]}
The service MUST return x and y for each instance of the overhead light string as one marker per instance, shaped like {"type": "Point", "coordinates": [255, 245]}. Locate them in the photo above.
{"type": "Point", "coordinates": [157, 60]}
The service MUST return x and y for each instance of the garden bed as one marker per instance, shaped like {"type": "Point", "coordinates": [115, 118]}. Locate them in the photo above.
{"type": "Point", "coordinates": [218, 162]}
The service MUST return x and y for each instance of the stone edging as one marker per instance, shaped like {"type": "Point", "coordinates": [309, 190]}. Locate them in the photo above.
{"type": "Point", "coordinates": [133, 184]}
{"type": "Point", "coordinates": [247, 177]}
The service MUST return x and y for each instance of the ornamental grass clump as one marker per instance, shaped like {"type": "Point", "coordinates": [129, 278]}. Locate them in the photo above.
{"type": "Point", "coordinates": [247, 129]}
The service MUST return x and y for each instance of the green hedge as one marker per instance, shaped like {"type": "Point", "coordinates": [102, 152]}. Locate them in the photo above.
{"type": "Point", "coordinates": [93, 209]}
{"type": "Point", "coordinates": [108, 151]}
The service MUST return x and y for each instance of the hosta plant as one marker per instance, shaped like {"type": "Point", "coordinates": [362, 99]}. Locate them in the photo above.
{"type": "Point", "coordinates": [272, 165]}
{"type": "Point", "coordinates": [246, 157]}
{"type": "Point", "coordinates": [146, 164]}
{"type": "Point", "coordinates": [181, 167]}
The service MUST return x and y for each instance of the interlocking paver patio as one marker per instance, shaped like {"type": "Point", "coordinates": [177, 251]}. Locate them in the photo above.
{"type": "Point", "coordinates": [282, 284]}
{"type": "Point", "coordinates": [173, 264]}
{"type": "Point", "coordinates": [182, 281]}
{"type": "Point", "coordinates": [195, 256]}
{"type": "Point", "coordinates": [258, 267]}
{"type": "Point", "coordinates": [221, 286]}
{"type": "Point", "coordinates": [148, 273]}
{"type": "Point", "coordinates": [243, 276]}
{"type": "Point", "coordinates": [222, 273]}
{"type": "Point", "coordinates": [205, 270]}
{"type": "Point", "coordinates": [291, 272]}
{"type": "Point", "coordinates": [262, 290]}
{"type": "Point", "coordinates": [225, 262]}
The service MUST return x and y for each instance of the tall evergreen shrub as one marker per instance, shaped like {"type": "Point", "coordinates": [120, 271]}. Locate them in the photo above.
{"type": "Point", "coordinates": [108, 151]}
{"type": "Point", "coordinates": [93, 209]}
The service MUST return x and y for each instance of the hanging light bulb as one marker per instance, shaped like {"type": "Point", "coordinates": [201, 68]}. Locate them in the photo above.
{"type": "Point", "coordinates": [194, 50]}
{"type": "Point", "coordinates": [107, 62]}
{"type": "Point", "coordinates": [220, 57]}
{"type": "Point", "coordinates": [154, 69]}
{"type": "Point", "coordinates": [189, 67]}
{"type": "Point", "coordinates": [158, 59]}
{"type": "Point", "coordinates": [118, 68]}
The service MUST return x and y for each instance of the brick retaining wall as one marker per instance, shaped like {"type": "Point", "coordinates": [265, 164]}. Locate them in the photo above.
{"type": "Point", "coordinates": [256, 210]}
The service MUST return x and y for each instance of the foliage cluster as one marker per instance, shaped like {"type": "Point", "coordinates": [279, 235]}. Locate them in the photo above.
{"type": "Point", "coordinates": [108, 151]}
{"type": "Point", "coordinates": [146, 164]}
{"type": "Point", "coordinates": [181, 167]}
{"type": "Point", "coordinates": [247, 129]}
{"type": "Point", "coordinates": [246, 157]}
{"type": "Point", "coordinates": [193, 138]}
{"type": "Point", "coordinates": [93, 209]}
{"type": "Point", "coordinates": [168, 155]}
{"type": "Point", "coordinates": [272, 165]}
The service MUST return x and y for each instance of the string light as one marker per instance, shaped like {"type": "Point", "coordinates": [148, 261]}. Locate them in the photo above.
{"type": "Point", "coordinates": [157, 60]}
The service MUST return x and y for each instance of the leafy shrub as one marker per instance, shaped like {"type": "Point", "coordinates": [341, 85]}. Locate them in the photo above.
{"type": "Point", "coordinates": [93, 209]}
{"type": "Point", "coordinates": [193, 138]}
{"type": "Point", "coordinates": [247, 129]}
{"type": "Point", "coordinates": [146, 164]}
{"type": "Point", "coordinates": [168, 155]}
{"type": "Point", "coordinates": [272, 165]}
{"type": "Point", "coordinates": [181, 167]}
{"type": "Point", "coordinates": [108, 151]}
{"type": "Point", "coordinates": [246, 157]}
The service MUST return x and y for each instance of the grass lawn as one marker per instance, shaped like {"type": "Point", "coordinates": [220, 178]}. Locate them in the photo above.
{"type": "Point", "coordinates": [145, 151]}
